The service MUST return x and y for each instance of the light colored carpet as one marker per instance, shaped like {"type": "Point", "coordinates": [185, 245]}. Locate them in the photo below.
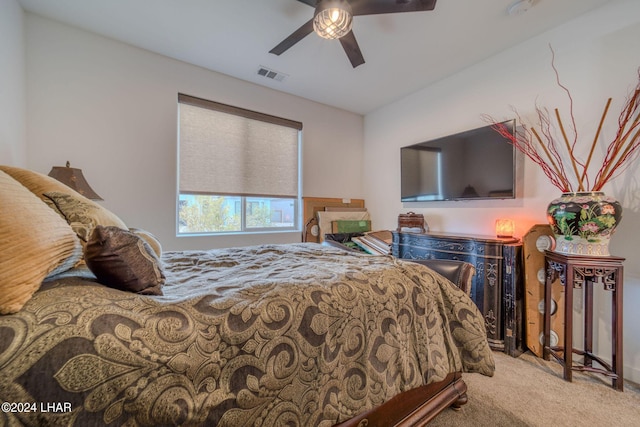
{"type": "Point", "coordinates": [528, 391]}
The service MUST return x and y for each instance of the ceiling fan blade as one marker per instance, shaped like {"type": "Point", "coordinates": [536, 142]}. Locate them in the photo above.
{"type": "Point", "coordinates": [294, 38]}
{"type": "Point", "coordinates": [374, 7]}
{"type": "Point", "coordinates": [311, 3]}
{"type": "Point", "coordinates": [351, 48]}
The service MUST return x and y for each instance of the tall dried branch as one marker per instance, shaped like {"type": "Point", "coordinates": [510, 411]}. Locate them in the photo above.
{"type": "Point", "coordinates": [624, 148]}
{"type": "Point", "coordinates": [595, 142]}
{"type": "Point", "coordinates": [539, 143]}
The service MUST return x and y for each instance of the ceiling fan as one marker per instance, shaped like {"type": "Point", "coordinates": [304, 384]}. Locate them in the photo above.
{"type": "Point", "coordinates": [333, 19]}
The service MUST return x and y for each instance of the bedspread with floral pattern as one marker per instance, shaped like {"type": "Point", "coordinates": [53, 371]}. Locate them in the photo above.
{"type": "Point", "coordinates": [297, 335]}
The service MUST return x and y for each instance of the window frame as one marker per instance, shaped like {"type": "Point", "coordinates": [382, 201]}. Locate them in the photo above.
{"type": "Point", "coordinates": [244, 198]}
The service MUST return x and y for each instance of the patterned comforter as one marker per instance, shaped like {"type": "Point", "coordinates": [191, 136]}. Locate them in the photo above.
{"type": "Point", "coordinates": [298, 335]}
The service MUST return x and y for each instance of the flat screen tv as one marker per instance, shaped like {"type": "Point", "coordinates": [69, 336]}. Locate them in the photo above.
{"type": "Point", "coordinates": [476, 164]}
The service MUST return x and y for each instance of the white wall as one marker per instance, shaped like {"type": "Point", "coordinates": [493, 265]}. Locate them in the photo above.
{"type": "Point", "coordinates": [12, 85]}
{"type": "Point", "coordinates": [111, 109]}
{"type": "Point", "coordinates": [597, 57]}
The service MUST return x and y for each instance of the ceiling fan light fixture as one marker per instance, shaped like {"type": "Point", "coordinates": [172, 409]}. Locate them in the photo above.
{"type": "Point", "coordinates": [333, 19]}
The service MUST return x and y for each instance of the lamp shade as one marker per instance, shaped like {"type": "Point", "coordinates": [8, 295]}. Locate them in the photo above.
{"type": "Point", "coordinates": [332, 19]}
{"type": "Point", "coordinates": [73, 177]}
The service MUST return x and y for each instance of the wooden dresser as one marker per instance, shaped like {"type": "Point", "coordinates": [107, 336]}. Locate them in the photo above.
{"type": "Point", "coordinates": [497, 288]}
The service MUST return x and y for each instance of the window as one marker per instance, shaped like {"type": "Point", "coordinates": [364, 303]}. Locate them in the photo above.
{"type": "Point", "coordinates": [238, 170]}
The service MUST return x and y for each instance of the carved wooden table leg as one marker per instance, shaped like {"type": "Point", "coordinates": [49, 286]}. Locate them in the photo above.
{"type": "Point", "coordinates": [582, 272]}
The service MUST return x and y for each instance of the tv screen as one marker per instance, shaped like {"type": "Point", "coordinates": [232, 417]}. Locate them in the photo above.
{"type": "Point", "coordinates": [476, 164]}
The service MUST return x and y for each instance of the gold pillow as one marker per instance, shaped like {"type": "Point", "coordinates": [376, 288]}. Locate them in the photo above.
{"type": "Point", "coordinates": [35, 243]}
{"type": "Point", "coordinates": [150, 239]}
{"type": "Point", "coordinates": [36, 182]}
{"type": "Point", "coordinates": [81, 213]}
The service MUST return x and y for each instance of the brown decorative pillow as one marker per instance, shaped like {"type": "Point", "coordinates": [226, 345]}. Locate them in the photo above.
{"type": "Point", "coordinates": [124, 261]}
{"type": "Point", "coordinates": [81, 213]}
{"type": "Point", "coordinates": [35, 243]}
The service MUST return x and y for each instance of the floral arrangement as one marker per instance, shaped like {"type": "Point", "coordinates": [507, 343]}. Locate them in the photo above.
{"type": "Point", "coordinates": [540, 145]}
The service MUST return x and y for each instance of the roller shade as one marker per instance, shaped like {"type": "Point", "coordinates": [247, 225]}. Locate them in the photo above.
{"type": "Point", "coordinates": [229, 150]}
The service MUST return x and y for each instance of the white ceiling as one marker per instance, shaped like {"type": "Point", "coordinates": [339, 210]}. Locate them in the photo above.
{"type": "Point", "coordinates": [404, 52]}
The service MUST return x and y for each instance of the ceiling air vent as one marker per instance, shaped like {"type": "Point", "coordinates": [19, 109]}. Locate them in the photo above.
{"type": "Point", "coordinates": [271, 74]}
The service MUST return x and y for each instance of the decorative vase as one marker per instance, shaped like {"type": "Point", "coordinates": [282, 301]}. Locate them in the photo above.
{"type": "Point", "coordinates": [583, 222]}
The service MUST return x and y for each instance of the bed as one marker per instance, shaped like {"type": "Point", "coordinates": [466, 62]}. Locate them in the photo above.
{"type": "Point", "coordinates": [270, 335]}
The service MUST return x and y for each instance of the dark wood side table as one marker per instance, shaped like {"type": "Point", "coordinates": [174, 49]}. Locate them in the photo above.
{"type": "Point", "coordinates": [582, 272]}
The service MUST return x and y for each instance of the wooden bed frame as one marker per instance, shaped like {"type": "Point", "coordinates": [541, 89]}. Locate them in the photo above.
{"type": "Point", "coordinates": [415, 407]}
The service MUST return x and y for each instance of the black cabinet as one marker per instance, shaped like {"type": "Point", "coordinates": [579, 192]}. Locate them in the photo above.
{"type": "Point", "coordinates": [497, 288]}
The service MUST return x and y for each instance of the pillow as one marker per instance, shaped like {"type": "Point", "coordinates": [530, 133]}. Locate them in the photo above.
{"type": "Point", "coordinates": [122, 260]}
{"type": "Point", "coordinates": [86, 213]}
{"type": "Point", "coordinates": [325, 218]}
{"type": "Point", "coordinates": [81, 213]}
{"type": "Point", "coordinates": [36, 182]}
{"type": "Point", "coordinates": [151, 240]}
{"type": "Point", "coordinates": [35, 243]}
